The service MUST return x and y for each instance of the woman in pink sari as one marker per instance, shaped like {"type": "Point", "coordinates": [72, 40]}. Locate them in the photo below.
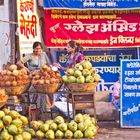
{"type": "Point", "coordinates": [75, 55]}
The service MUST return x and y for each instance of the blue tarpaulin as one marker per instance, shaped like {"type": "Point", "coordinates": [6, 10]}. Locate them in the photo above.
{"type": "Point", "coordinates": [91, 4]}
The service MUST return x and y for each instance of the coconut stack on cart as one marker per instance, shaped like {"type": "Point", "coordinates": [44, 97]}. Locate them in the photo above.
{"type": "Point", "coordinates": [47, 81]}
{"type": "Point", "coordinates": [14, 81]}
{"type": "Point", "coordinates": [81, 78]}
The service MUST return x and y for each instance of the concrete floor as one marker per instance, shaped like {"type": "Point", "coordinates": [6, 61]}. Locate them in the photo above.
{"type": "Point", "coordinates": [112, 131]}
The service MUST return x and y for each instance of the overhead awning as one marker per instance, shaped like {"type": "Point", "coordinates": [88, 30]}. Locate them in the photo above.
{"type": "Point", "coordinates": [91, 4]}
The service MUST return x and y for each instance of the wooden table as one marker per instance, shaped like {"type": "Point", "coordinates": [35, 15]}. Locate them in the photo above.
{"type": "Point", "coordinates": [83, 100]}
{"type": "Point", "coordinates": [80, 101]}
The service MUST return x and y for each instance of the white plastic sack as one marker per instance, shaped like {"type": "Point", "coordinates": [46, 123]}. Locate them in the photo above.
{"type": "Point", "coordinates": [62, 106]}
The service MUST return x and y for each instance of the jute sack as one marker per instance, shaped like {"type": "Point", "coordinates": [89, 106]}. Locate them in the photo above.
{"type": "Point", "coordinates": [102, 96]}
{"type": "Point", "coordinates": [104, 111]}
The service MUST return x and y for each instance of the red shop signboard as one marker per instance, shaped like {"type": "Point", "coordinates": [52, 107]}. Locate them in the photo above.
{"type": "Point", "coordinates": [92, 30]}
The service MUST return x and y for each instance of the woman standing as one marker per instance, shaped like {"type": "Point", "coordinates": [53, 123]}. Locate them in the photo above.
{"type": "Point", "coordinates": [35, 61]}
{"type": "Point", "coordinates": [75, 55]}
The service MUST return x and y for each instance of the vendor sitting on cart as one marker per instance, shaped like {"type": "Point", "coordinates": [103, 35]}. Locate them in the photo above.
{"type": "Point", "coordinates": [75, 55]}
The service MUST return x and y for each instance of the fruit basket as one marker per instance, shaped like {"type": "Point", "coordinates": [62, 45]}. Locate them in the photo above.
{"type": "Point", "coordinates": [81, 87]}
{"type": "Point", "coordinates": [47, 88]}
{"type": "Point", "coordinates": [17, 90]}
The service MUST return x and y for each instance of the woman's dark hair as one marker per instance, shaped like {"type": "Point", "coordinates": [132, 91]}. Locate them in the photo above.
{"type": "Point", "coordinates": [37, 44]}
{"type": "Point", "coordinates": [77, 46]}
{"type": "Point", "coordinates": [72, 44]}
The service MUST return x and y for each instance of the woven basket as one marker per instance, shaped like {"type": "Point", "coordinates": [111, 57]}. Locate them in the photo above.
{"type": "Point", "coordinates": [17, 90]}
{"type": "Point", "coordinates": [81, 87]}
{"type": "Point", "coordinates": [47, 88]}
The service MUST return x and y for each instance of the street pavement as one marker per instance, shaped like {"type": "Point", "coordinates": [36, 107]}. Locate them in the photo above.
{"type": "Point", "coordinates": [112, 131]}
